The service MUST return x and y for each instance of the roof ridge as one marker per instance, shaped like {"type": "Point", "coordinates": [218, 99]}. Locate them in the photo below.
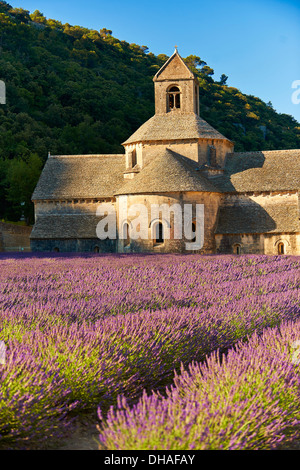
{"type": "Point", "coordinates": [94, 155]}
{"type": "Point", "coordinates": [175, 53]}
{"type": "Point", "coordinates": [257, 152]}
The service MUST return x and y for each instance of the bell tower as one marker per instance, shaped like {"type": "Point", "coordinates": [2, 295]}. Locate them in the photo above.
{"type": "Point", "coordinates": [176, 88]}
{"type": "Point", "coordinates": [176, 124]}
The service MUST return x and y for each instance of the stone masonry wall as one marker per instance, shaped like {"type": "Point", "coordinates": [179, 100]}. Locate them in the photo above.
{"type": "Point", "coordinates": [79, 245]}
{"type": "Point", "coordinates": [14, 237]}
{"type": "Point", "coordinates": [249, 243]}
{"type": "Point", "coordinates": [258, 243]}
{"type": "Point", "coordinates": [172, 245]}
{"type": "Point", "coordinates": [195, 149]}
{"type": "Point", "coordinates": [291, 242]}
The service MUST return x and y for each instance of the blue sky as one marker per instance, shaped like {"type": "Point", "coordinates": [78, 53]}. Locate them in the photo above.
{"type": "Point", "coordinates": [255, 43]}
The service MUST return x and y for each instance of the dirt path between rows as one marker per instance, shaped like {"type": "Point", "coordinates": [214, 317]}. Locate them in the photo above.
{"type": "Point", "coordinates": [85, 436]}
{"type": "Point", "coordinates": [88, 439]}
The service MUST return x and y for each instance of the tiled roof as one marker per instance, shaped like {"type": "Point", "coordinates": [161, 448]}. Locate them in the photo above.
{"type": "Point", "coordinates": [253, 218]}
{"type": "Point", "coordinates": [174, 126]}
{"type": "Point", "coordinates": [276, 170]}
{"type": "Point", "coordinates": [65, 226]}
{"type": "Point", "coordinates": [168, 172]}
{"type": "Point", "coordinates": [80, 176]}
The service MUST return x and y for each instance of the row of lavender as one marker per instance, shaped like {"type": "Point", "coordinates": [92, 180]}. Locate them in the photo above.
{"type": "Point", "coordinates": [91, 288]}
{"type": "Point", "coordinates": [81, 331]}
{"type": "Point", "coordinates": [248, 400]}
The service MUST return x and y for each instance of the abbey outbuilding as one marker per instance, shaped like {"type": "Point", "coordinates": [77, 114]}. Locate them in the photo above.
{"type": "Point", "coordinates": [250, 199]}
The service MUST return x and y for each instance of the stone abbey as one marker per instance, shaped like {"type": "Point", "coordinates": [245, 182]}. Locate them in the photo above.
{"type": "Point", "coordinates": [250, 199]}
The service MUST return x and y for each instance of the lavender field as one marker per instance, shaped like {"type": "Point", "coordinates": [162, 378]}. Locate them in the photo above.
{"type": "Point", "coordinates": [83, 332]}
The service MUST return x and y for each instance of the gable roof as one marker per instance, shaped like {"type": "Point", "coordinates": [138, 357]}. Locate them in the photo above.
{"type": "Point", "coordinates": [65, 226]}
{"type": "Point", "coordinates": [275, 170]}
{"type": "Point", "coordinates": [180, 70]}
{"type": "Point", "coordinates": [174, 126]}
{"type": "Point", "coordinates": [168, 172]}
{"type": "Point", "coordinates": [254, 218]}
{"type": "Point", "coordinates": [80, 176]}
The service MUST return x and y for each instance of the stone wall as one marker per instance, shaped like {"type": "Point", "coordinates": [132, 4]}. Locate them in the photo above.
{"type": "Point", "coordinates": [195, 149]}
{"type": "Point", "coordinates": [258, 243]}
{"type": "Point", "coordinates": [150, 150]}
{"type": "Point", "coordinates": [68, 207]}
{"type": "Point", "coordinates": [188, 95]}
{"type": "Point", "coordinates": [251, 243]}
{"type": "Point", "coordinates": [258, 223]}
{"type": "Point", "coordinates": [210, 201]}
{"type": "Point", "coordinates": [79, 245]}
{"type": "Point", "coordinates": [223, 147]}
{"type": "Point", "coordinates": [14, 237]}
{"type": "Point", "coordinates": [176, 74]}
{"type": "Point", "coordinates": [291, 242]}
{"type": "Point", "coordinates": [69, 226]}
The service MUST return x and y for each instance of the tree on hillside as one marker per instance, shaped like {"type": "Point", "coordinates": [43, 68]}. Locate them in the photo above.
{"type": "Point", "coordinates": [223, 79]}
{"type": "Point", "coordinates": [207, 71]}
{"type": "Point", "coordinates": [73, 90]}
{"type": "Point", "coordinates": [21, 179]}
{"type": "Point", "coordinates": [105, 32]}
{"type": "Point", "coordinates": [194, 62]}
{"type": "Point", "coordinates": [38, 17]}
{"type": "Point", "coordinates": [21, 14]}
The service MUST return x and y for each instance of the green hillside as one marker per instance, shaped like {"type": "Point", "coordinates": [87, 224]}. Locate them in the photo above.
{"type": "Point", "coordinates": [72, 90]}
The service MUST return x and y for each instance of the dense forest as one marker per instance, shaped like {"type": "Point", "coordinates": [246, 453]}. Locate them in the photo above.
{"type": "Point", "coordinates": [73, 90]}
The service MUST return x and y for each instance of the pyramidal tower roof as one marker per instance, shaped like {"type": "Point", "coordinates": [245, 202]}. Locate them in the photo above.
{"type": "Point", "coordinates": [179, 123]}
{"type": "Point", "coordinates": [168, 172]}
{"type": "Point", "coordinates": [166, 127]}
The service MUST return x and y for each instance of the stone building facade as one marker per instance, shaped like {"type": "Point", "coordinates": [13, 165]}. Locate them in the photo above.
{"type": "Point", "coordinates": [14, 237]}
{"type": "Point", "coordinates": [250, 199]}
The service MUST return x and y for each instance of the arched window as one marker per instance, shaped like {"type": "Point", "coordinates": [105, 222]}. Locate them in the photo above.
{"type": "Point", "coordinates": [96, 249]}
{"type": "Point", "coordinates": [159, 234]}
{"type": "Point", "coordinates": [131, 158]}
{"type": "Point", "coordinates": [212, 155]}
{"type": "Point", "coordinates": [237, 249]}
{"type": "Point", "coordinates": [173, 98]}
{"type": "Point", "coordinates": [126, 234]}
{"type": "Point", "coordinates": [193, 231]}
{"type": "Point", "coordinates": [281, 248]}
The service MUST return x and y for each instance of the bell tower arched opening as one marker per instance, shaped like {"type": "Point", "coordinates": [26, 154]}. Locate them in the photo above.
{"type": "Point", "coordinates": [173, 98]}
{"type": "Point", "coordinates": [176, 87]}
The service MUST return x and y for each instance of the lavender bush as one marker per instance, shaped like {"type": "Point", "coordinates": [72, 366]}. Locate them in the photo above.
{"type": "Point", "coordinates": [248, 401]}
{"type": "Point", "coordinates": [33, 399]}
{"type": "Point", "coordinates": [82, 330]}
